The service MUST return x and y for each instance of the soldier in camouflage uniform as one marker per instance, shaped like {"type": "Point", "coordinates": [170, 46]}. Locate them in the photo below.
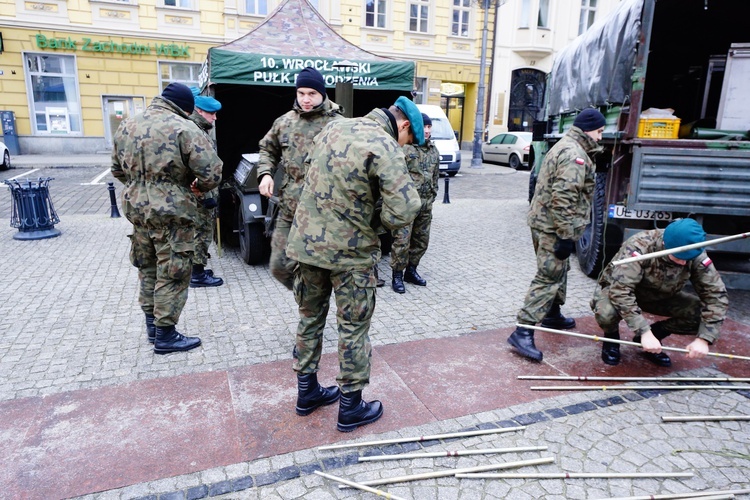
{"type": "Point", "coordinates": [353, 163]}
{"type": "Point", "coordinates": [163, 159]}
{"type": "Point", "coordinates": [557, 217]}
{"type": "Point", "coordinates": [285, 147]}
{"type": "Point", "coordinates": [656, 286]}
{"type": "Point", "coordinates": [410, 242]}
{"type": "Point", "coordinates": [204, 115]}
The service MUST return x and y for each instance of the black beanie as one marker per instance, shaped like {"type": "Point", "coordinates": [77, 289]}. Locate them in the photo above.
{"type": "Point", "coordinates": [312, 79]}
{"type": "Point", "coordinates": [589, 119]}
{"type": "Point", "coordinates": [180, 95]}
{"type": "Point", "coordinates": [426, 119]}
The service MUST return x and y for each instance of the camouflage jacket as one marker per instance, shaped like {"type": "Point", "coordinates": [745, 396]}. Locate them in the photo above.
{"type": "Point", "coordinates": [206, 127]}
{"type": "Point", "coordinates": [353, 163]}
{"type": "Point", "coordinates": [565, 187]}
{"type": "Point", "coordinates": [286, 146]}
{"type": "Point", "coordinates": [655, 279]}
{"type": "Point", "coordinates": [157, 154]}
{"type": "Point", "coordinates": [423, 163]}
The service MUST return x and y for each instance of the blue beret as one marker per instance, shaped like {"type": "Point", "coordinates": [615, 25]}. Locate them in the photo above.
{"type": "Point", "coordinates": [196, 91]}
{"type": "Point", "coordinates": [207, 103]}
{"type": "Point", "coordinates": [684, 232]}
{"type": "Point", "coordinates": [414, 116]}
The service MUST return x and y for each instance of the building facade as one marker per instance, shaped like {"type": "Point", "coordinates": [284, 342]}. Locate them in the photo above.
{"type": "Point", "coordinates": [71, 70]}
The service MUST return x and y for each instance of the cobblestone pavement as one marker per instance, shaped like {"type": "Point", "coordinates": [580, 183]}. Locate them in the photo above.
{"type": "Point", "coordinates": [68, 314]}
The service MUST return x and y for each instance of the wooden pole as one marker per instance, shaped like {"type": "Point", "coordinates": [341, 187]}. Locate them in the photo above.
{"type": "Point", "coordinates": [453, 472]}
{"type": "Point", "coordinates": [632, 379]}
{"type": "Point", "coordinates": [638, 387]}
{"type": "Point", "coordinates": [577, 475]}
{"type": "Point", "coordinates": [707, 418]}
{"type": "Point", "coordinates": [683, 248]}
{"type": "Point", "coordinates": [362, 487]}
{"type": "Point", "coordinates": [458, 453]}
{"type": "Point", "coordinates": [218, 236]}
{"type": "Point", "coordinates": [597, 338]}
{"type": "Point", "coordinates": [422, 438]}
{"type": "Point", "coordinates": [675, 496]}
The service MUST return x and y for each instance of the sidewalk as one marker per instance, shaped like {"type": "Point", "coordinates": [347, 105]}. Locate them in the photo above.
{"type": "Point", "coordinates": [90, 412]}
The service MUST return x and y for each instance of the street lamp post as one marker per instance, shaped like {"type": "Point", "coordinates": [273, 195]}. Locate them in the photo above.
{"type": "Point", "coordinates": [476, 157]}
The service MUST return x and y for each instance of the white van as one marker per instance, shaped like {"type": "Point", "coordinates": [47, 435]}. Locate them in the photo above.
{"type": "Point", "coordinates": [444, 139]}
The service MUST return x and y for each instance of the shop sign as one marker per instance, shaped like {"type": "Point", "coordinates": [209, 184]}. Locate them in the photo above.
{"type": "Point", "coordinates": [109, 47]}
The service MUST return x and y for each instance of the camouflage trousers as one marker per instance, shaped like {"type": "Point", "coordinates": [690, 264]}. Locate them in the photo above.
{"type": "Point", "coordinates": [354, 291]}
{"type": "Point", "coordinates": [410, 242]}
{"type": "Point", "coordinates": [282, 267]}
{"type": "Point", "coordinates": [164, 260]}
{"type": "Point", "coordinates": [683, 311]}
{"type": "Point", "coordinates": [204, 235]}
{"type": "Point", "coordinates": [550, 282]}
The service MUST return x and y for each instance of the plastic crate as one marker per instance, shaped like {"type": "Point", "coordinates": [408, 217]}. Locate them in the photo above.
{"type": "Point", "coordinates": [659, 128]}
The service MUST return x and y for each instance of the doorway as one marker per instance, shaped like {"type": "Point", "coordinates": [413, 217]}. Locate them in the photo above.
{"type": "Point", "coordinates": [116, 109]}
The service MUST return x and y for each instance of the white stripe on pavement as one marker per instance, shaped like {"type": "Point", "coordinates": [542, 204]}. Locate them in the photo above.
{"type": "Point", "coordinates": [25, 173]}
{"type": "Point", "coordinates": [96, 180]}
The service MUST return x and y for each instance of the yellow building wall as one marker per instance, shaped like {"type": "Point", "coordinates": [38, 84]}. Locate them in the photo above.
{"type": "Point", "coordinates": [98, 74]}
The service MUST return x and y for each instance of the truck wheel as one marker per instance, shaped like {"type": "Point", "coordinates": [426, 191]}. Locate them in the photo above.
{"type": "Point", "coordinates": [590, 247]}
{"type": "Point", "coordinates": [252, 240]}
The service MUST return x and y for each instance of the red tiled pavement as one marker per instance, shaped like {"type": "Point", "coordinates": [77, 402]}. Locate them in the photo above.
{"type": "Point", "coordinates": [86, 441]}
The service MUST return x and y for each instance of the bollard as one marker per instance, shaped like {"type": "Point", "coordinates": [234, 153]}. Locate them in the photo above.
{"type": "Point", "coordinates": [32, 212]}
{"type": "Point", "coordinates": [446, 195]}
{"type": "Point", "coordinates": [113, 200]}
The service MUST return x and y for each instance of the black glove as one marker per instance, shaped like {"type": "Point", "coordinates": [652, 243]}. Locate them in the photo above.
{"type": "Point", "coordinates": [563, 248]}
{"type": "Point", "coordinates": [209, 203]}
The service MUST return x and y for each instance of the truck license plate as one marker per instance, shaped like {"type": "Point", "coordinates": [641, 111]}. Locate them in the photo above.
{"type": "Point", "coordinates": [621, 212]}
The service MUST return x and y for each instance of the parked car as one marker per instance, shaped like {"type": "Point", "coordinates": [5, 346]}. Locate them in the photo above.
{"type": "Point", "coordinates": [6, 157]}
{"type": "Point", "coordinates": [511, 148]}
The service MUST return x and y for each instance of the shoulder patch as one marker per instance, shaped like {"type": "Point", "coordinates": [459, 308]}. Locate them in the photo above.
{"type": "Point", "coordinates": [706, 262]}
{"type": "Point", "coordinates": [580, 161]}
{"type": "Point", "coordinates": [634, 254]}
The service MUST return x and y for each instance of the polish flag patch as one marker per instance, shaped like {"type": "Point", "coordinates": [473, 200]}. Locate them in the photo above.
{"type": "Point", "coordinates": [634, 254]}
{"type": "Point", "coordinates": [706, 262]}
{"type": "Point", "coordinates": [580, 161]}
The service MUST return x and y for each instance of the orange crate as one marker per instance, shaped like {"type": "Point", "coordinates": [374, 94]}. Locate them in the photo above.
{"type": "Point", "coordinates": [659, 128]}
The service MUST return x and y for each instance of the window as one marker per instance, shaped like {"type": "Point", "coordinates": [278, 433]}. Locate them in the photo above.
{"type": "Point", "coordinates": [375, 13]}
{"type": "Point", "coordinates": [543, 19]}
{"type": "Point", "coordinates": [525, 14]}
{"type": "Point", "coordinates": [509, 139]}
{"type": "Point", "coordinates": [55, 106]}
{"type": "Point", "coordinates": [256, 7]}
{"type": "Point", "coordinates": [185, 4]}
{"type": "Point", "coordinates": [419, 15]}
{"type": "Point", "coordinates": [179, 72]}
{"type": "Point", "coordinates": [498, 139]}
{"type": "Point", "coordinates": [588, 13]}
{"type": "Point", "coordinates": [461, 11]}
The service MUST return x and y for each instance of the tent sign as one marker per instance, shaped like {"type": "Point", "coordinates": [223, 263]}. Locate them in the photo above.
{"type": "Point", "coordinates": [259, 69]}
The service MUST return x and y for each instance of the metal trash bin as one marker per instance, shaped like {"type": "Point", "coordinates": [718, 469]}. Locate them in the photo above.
{"type": "Point", "coordinates": [33, 213]}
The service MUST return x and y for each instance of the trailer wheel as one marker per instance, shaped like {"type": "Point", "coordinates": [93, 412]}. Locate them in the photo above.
{"type": "Point", "coordinates": [252, 240]}
{"type": "Point", "coordinates": [590, 247]}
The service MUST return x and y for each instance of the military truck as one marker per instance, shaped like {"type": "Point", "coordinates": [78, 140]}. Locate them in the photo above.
{"type": "Point", "coordinates": [671, 76]}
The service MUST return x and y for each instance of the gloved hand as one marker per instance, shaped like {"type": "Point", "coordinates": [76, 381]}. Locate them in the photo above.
{"type": "Point", "coordinates": [209, 203]}
{"type": "Point", "coordinates": [563, 248]}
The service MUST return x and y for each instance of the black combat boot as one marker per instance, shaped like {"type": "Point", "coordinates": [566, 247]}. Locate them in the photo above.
{"type": "Point", "coordinates": [201, 278]}
{"type": "Point", "coordinates": [411, 276]}
{"type": "Point", "coordinates": [523, 340]}
{"type": "Point", "coordinates": [311, 395]}
{"type": "Point", "coordinates": [353, 412]}
{"type": "Point", "coordinates": [398, 282]}
{"type": "Point", "coordinates": [610, 350]}
{"type": "Point", "coordinates": [150, 328]}
{"type": "Point", "coordinates": [660, 359]}
{"type": "Point", "coordinates": [168, 339]}
{"type": "Point", "coordinates": [554, 319]}
{"type": "Point", "coordinates": [379, 282]}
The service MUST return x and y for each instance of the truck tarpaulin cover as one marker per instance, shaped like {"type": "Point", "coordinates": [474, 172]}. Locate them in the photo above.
{"type": "Point", "coordinates": [295, 36]}
{"type": "Point", "coordinates": [600, 61]}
